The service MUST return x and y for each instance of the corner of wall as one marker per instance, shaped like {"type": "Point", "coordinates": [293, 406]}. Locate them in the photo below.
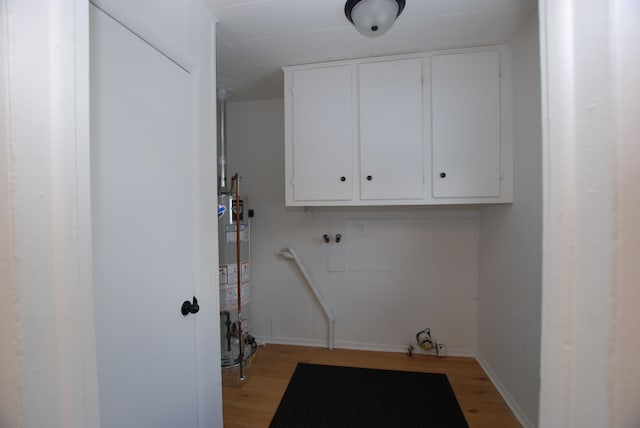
{"type": "Point", "coordinates": [509, 309]}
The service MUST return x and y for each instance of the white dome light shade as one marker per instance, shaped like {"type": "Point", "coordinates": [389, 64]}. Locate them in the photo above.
{"type": "Point", "coordinates": [373, 18]}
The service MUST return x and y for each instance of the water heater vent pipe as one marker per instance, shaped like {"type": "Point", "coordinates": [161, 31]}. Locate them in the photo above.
{"type": "Point", "coordinates": [291, 254]}
{"type": "Point", "coordinates": [222, 95]}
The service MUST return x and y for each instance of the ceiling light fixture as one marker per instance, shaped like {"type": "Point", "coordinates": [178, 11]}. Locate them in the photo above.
{"type": "Point", "coordinates": [373, 18]}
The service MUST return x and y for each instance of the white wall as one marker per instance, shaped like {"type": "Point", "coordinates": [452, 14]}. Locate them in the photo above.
{"type": "Point", "coordinates": [511, 250]}
{"type": "Point", "coordinates": [10, 385]}
{"type": "Point", "coordinates": [625, 379]}
{"type": "Point", "coordinates": [48, 291]}
{"type": "Point", "coordinates": [396, 271]}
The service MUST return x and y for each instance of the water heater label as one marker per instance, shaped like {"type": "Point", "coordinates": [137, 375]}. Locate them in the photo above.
{"type": "Point", "coordinates": [229, 297]}
{"type": "Point", "coordinates": [228, 274]}
{"type": "Point", "coordinates": [230, 233]}
{"type": "Point", "coordinates": [222, 274]}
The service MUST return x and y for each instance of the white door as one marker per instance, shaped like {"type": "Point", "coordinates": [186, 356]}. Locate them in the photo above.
{"type": "Point", "coordinates": [143, 231]}
{"type": "Point", "coordinates": [391, 130]}
{"type": "Point", "coordinates": [466, 125]}
{"type": "Point", "coordinates": [322, 134]}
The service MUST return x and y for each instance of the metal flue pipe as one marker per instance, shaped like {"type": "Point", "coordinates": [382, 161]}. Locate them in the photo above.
{"type": "Point", "coordinates": [223, 94]}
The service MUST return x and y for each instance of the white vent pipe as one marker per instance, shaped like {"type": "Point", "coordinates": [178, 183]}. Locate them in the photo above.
{"type": "Point", "coordinates": [223, 94]}
{"type": "Point", "coordinates": [291, 254]}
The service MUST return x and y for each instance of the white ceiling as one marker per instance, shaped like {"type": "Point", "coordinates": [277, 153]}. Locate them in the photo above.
{"type": "Point", "coordinates": [255, 38]}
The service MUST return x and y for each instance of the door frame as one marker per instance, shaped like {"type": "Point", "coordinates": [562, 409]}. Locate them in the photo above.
{"type": "Point", "coordinates": [590, 153]}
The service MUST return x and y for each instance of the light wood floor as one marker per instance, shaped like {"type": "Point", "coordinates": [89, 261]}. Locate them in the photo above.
{"type": "Point", "coordinates": [252, 402]}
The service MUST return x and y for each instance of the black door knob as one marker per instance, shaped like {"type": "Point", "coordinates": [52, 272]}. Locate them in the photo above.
{"type": "Point", "coordinates": [194, 306]}
{"type": "Point", "coordinates": [443, 175]}
{"type": "Point", "coordinates": [190, 307]}
{"type": "Point", "coordinates": [369, 178]}
{"type": "Point", "coordinates": [343, 178]}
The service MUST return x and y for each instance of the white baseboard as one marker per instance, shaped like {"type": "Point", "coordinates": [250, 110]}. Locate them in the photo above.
{"type": "Point", "coordinates": [265, 340]}
{"type": "Point", "coordinates": [359, 346]}
{"type": "Point", "coordinates": [504, 392]}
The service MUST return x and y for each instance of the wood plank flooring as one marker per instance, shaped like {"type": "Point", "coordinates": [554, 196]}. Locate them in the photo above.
{"type": "Point", "coordinates": [252, 402]}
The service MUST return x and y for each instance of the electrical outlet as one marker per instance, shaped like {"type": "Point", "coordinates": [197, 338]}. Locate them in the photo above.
{"type": "Point", "coordinates": [441, 349]}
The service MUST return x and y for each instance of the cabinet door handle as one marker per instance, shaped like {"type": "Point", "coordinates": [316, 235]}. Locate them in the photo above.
{"type": "Point", "coordinates": [343, 178]}
{"type": "Point", "coordinates": [443, 175]}
{"type": "Point", "coordinates": [369, 178]}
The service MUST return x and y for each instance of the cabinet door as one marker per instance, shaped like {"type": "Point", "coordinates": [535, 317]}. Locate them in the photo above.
{"type": "Point", "coordinates": [466, 125]}
{"type": "Point", "coordinates": [391, 144]}
{"type": "Point", "coordinates": [322, 128]}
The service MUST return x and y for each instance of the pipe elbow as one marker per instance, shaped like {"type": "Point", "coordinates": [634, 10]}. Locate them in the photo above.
{"type": "Point", "coordinates": [286, 253]}
{"type": "Point", "coordinates": [292, 254]}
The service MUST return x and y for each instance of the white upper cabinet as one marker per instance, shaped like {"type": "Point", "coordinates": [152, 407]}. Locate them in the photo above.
{"type": "Point", "coordinates": [391, 144]}
{"type": "Point", "coordinates": [420, 129]}
{"type": "Point", "coordinates": [322, 128]}
{"type": "Point", "coordinates": [465, 111]}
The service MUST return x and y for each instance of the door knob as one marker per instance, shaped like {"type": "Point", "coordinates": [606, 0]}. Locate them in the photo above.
{"type": "Point", "coordinates": [190, 307]}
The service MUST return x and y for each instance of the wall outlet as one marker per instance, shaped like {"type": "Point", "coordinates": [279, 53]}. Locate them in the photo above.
{"type": "Point", "coordinates": [441, 349]}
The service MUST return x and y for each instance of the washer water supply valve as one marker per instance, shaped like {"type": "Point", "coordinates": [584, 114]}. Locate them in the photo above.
{"type": "Point", "coordinates": [426, 342]}
{"type": "Point", "coordinates": [424, 339]}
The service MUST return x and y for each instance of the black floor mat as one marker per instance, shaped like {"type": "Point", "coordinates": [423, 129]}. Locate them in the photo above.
{"type": "Point", "coordinates": [320, 396]}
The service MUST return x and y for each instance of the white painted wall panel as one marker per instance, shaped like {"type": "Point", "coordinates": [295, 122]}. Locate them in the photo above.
{"type": "Point", "coordinates": [625, 377]}
{"type": "Point", "coordinates": [384, 310]}
{"type": "Point", "coordinates": [511, 250]}
{"type": "Point", "coordinates": [414, 267]}
{"type": "Point", "coordinates": [47, 66]}
{"type": "Point", "coordinates": [10, 379]}
{"type": "Point", "coordinates": [411, 244]}
{"type": "Point", "coordinates": [163, 23]}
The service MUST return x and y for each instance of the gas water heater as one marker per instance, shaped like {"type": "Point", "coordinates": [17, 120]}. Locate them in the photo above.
{"type": "Point", "coordinates": [237, 344]}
